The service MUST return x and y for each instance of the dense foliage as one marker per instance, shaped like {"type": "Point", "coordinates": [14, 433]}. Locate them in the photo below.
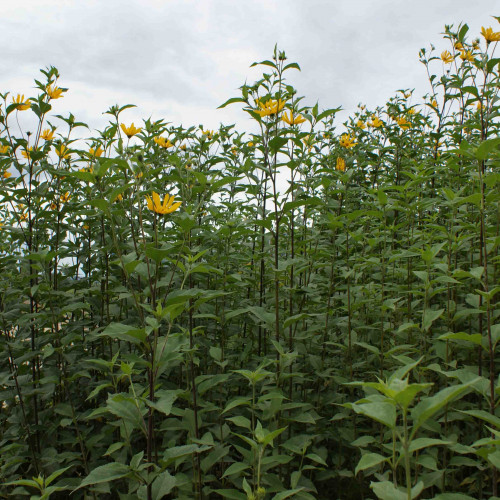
{"type": "Point", "coordinates": [317, 319]}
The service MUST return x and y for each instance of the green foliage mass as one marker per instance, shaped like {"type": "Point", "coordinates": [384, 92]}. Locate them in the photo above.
{"type": "Point", "coordinates": [318, 319]}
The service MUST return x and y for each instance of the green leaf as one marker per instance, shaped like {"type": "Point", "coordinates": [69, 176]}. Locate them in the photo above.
{"type": "Point", "coordinates": [385, 413]}
{"type": "Point", "coordinates": [486, 148]}
{"type": "Point", "coordinates": [430, 406]}
{"type": "Point", "coordinates": [241, 421]}
{"type": "Point", "coordinates": [105, 474]}
{"type": "Point", "coordinates": [494, 458]}
{"type": "Point", "coordinates": [124, 407]}
{"type": "Point", "coordinates": [430, 315]}
{"type": "Point", "coordinates": [124, 332]}
{"type": "Point", "coordinates": [276, 143]}
{"type": "Point", "coordinates": [235, 468]}
{"type": "Point", "coordinates": [268, 439]}
{"type": "Point", "coordinates": [231, 101]}
{"type": "Point", "coordinates": [385, 490]}
{"type": "Point", "coordinates": [235, 403]}
{"type": "Point", "coordinates": [407, 395]}
{"type": "Point", "coordinates": [286, 494]}
{"type": "Point", "coordinates": [100, 204]}
{"type": "Point", "coordinates": [316, 458]}
{"type": "Point", "coordinates": [55, 475]}
{"type": "Point", "coordinates": [180, 451]}
{"type": "Point", "coordinates": [473, 338]}
{"type": "Point", "coordinates": [369, 460]}
{"type": "Point", "coordinates": [291, 65]}
{"type": "Point", "coordinates": [419, 443]}
{"type": "Point", "coordinates": [158, 254]}
{"type": "Point", "coordinates": [164, 402]}
{"type": "Point", "coordinates": [484, 415]}
{"type": "Point", "coordinates": [162, 485]}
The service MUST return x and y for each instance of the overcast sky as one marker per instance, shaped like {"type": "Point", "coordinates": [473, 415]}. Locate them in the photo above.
{"type": "Point", "coordinates": [180, 59]}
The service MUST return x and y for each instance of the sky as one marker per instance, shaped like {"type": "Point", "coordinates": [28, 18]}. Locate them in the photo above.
{"type": "Point", "coordinates": [178, 60]}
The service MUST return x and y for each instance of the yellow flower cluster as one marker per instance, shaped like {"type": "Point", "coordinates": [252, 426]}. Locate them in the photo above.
{"type": "Point", "coordinates": [167, 207]}
{"type": "Point", "coordinates": [130, 131]}
{"type": "Point", "coordinates": [22, 105]}
{"type": "Point", "coordinates": [376, 122]}
{"type": "Point", "coordinates": [347, 141]}
{"type": "Point", "coordinates": [446, 57]}
{"type": "Point", "coordinates": [54, 92]}
{"type": "Point", "coordinates": [47, 134]}
{"type": "Point", "coordinates": [163, 142]}
{"type": "Point", "coordinates": [96, 153]}
{"type": "Point", "coordinates": [62, 152]}
{"type": "Point", "coordinates": [293, 120]}
{"type": "Point", "coordinates": [403, 122]}
{"type": "Point", "coordinates": [340, 166]}
{"type": "Point", "coordinates": [490, 35]}
{"type": "Point", "coordinates": [270, 107]}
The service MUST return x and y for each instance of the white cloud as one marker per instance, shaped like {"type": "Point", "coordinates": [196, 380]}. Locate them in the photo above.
{"type": "Point", "coordinates": [180, 59]}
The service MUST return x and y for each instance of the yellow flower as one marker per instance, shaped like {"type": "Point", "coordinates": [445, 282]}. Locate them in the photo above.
{"type": "Point", "coordinates": [459, 46]}
{"type": "Point", "coordinates": [26, 153]}
{"type": "Point", "coordinates": [407, 94]}
{"type": "Point", "coordinates": [340, 166]}
{"type": "Point", "coordinates": [65, 197]}
{"type": "Point", "coordinates": [446, 57]}
{"type": "Point", "coordinates": [96, 152]}
{"type": "Point", "coordinates": [54, 92]}
{"type": "Point", "coordinates": [118, 198]}
{"type": "Point", "coordinates": [90, 170]}
{"type": "Point", "coordinates": [53, 206]}
{"type": "Point", "coordinates": [308, 141]}
{"type": "Point", "coordinates": [466, 55]}
{"type": "Point", "coordinates": [6, 175]}
{"type": "Point", "coordinates": [234, 151]}
{"type": "Point", "coordinates": [62, 152]}
{"type": "Point", "coordinates": [411, 111]}
{"type": "Point", "coordinates": [163, 142]}
{"type": "Point", "coordinates": [347, 141]}
{"type": "Point", "coordinates": [86, 226]}
{"type": "Point", "coordinates": [403, 122]}
{"type": "Point", "coordinates": [479, 106]}
{"type": "Point", "coordinates": [293, 120]}
{"type": "Point", "coordinates": [270, 107]}
{"type": "Point", "coordinates": [4, 149]}
{"type": "Point", "coordinates": [208, 133]}
{"type": "Point", "coordinates": [167, 207]}
{"type": "Point", "coordinates": [490, 35]}
{"type": "Point", "coordinates": [139, 175]}
{"type": "Point", "coordinates": [47, 134]}
{"type": "Point", "coordinates": [22, 105]}
{"type": "Point", "coordinates": [130, 131]}
{"type": "Point", "coordinates": [361, 124]}
{"type": "Point", "coordinates": [250, 144]}
{"type": "Point", "coordinates": [183, 147]}
{"type": "Point", "coordinates": [434, 103]}
{"type": "Point", "coordinates": [376, 122]}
